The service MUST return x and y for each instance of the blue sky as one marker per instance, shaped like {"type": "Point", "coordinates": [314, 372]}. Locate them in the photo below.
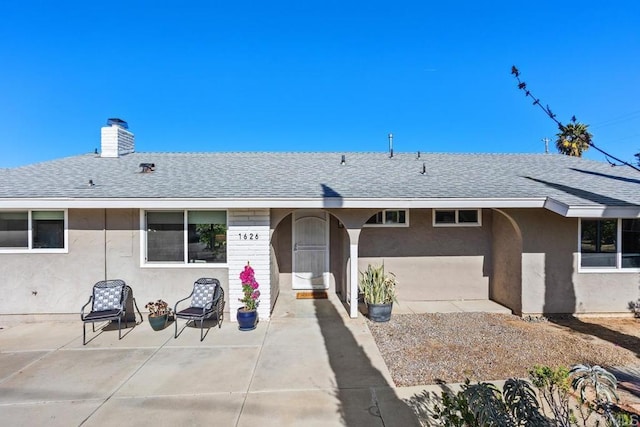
{"type": "Point", "coordinates": [315, 75]}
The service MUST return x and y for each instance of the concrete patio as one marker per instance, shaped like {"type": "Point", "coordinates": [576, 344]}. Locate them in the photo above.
{"type": "Point", "coordinates": [309, 365]}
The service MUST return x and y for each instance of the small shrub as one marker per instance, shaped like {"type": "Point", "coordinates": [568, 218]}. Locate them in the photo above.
{"type": "Point", "coordinates": [158, 308]}
{"type": "Point", "coordinates": [634, 307]}
{"type": "Point", "coordinates": [553, 386]}
{"type": "Point", "coordinates": [453, 410]}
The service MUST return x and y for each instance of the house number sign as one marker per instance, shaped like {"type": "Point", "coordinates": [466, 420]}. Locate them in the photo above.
{"type": "Point", "coordinates": [248, 236]}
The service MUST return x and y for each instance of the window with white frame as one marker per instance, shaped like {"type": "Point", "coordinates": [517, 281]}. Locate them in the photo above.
{"type": "Point", "coordinates": [389, 218]}
{"type": "Point", "coordinates": [180, 237]}
{"type": "Point", "coordinates": [610, 243]}
{"type": "Point", "coordinates": [28, 230]}
{"type": "Point", "coordinates": [457, 217]}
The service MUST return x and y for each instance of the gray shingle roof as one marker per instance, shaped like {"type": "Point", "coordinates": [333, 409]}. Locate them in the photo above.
{"type": "Point", "coordinates": [274, 175]}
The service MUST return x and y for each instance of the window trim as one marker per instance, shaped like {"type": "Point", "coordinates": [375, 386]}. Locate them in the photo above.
{"type": "Point", "coordinates": [30, 249]}
{"type": "Point", "coordinates": [185, 224]}
{"type": "Point", "coordinates": [618, 268]}
{"type": "Point", "coordinates": [456, 223]}
{"type": "Point", "coordinates": [391, 224]}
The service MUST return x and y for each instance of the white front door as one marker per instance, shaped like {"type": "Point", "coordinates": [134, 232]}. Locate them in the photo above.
{"type": "Point", "coordinates": [310, 250]}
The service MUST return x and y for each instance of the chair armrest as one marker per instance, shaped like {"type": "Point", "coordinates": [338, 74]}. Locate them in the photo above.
{"type": "Point", "coordinates": [175, 307]}
{"type": "Point", "coordinates": [84, 306]}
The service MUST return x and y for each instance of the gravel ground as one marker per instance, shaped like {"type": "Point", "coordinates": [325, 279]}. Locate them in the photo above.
{"type": "Point", "coordinates": [422, 349]}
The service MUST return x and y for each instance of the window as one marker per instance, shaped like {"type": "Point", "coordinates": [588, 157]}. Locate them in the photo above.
{"type": "Point", "coordinates": [598, 242]}
{"type": "Point", "coordinates": [631, 243]}
{"type": "Point", "coordinates": [48, 229]}
{"type": "Point", "coordinates": [14, 230]}
{"type": "Point", "coordinates": [456, 217]}
{"type": "Point", "coordinates": [389, 218]}
{"type": "Point", "coordinates": [610, 243]}
{"type": "Point", "coordinates": [165, 236]}
{"type": "Point", "coordinates": [39, 231]}
{"type": "Point", "coordinates": [207, 236]}
{"type": "Point", "coordinates": [179, 237]}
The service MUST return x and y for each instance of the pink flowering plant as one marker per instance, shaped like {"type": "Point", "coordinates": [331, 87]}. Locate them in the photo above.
{"type": "Point", "coordinates": [249, 288]}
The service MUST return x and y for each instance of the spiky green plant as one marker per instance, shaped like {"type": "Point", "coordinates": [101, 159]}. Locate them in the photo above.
{"type": "Point", "coordinates": [595, 378]}
{"type": "Point", "coordinates": [487, 405]}
{"type": "Point", "coordinates": [522, 401]}
{"type": "Point", "coordinates": [376, 286]}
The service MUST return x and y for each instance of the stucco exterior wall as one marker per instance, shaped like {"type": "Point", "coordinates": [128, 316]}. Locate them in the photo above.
{"type": "Point", "coordinates": [551, 282]}
{"type": "Point", "coordinates": [602, 293]}
{"type": "Point", "coordinates": [505, 284]}
{"type": "Point", "coordinates": [44, 283]}
{"type": "Point", "coordinates": [102, 244]}
{"type": "Point", "coordinates": [548, 244]}
{"type": "Point", "coordinates": [432, 263]}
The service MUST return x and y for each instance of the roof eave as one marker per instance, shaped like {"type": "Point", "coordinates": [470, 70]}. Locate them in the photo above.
{"type": "Point", "coordinates": [592, 211]}
{"type": "Point", "coordinates": [307, 203]}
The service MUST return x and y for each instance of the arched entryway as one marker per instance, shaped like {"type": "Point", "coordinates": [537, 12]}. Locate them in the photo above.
{"type": "Point", "coordinates": [312, 249]}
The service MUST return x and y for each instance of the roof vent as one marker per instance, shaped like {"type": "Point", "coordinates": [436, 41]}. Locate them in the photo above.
{"type": "Point", "coordinates": [424, 169]}
{"type": "Point", "coordinates": [391, 145]}
{"type": "Point", "coordinates": [147, 167]}
{"type": "Point", "coordinates": [116, 139]}
{"type": "Point", "coordinates": [343, 161]}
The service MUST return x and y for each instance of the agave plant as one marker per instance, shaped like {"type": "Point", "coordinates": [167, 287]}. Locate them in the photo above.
{"type": "Point", "coordinates": [376, 286]}
{"type": "Point", "coordinates": [602, 382]}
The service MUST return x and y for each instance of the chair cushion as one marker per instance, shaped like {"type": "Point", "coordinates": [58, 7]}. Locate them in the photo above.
{"type": "Point", "coordinates": [202, 295]}
{"type": "Point", "coordinates": [107, 298]}
{"type": "Point", "coordinates": [101, 315]}
{"type": "Point", "coordinates": [193, 313]}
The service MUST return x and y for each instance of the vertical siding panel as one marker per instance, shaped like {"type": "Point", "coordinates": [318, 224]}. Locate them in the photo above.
{"type": "Point", "coordinates": [248, 241]}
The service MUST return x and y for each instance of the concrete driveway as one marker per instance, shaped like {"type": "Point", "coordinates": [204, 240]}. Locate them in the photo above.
{"type": "Point", "coordinates": [310, 365]}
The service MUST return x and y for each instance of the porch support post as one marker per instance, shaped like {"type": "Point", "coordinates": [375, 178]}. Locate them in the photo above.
{"type": "Point", "coordinates": [354, 236]}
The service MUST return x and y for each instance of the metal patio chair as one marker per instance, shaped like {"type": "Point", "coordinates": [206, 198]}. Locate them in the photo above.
{"type": "Point", "coordinates": [207, 300]}
{"type": "Point", "coordinates": [110, 300]}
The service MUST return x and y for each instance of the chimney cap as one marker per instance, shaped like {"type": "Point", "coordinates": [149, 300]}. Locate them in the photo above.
{"type": "Point", "coordinates": [117, 122]}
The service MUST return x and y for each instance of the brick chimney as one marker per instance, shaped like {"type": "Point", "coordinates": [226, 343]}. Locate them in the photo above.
{"type": "Point", "coordinates": [116, 140]}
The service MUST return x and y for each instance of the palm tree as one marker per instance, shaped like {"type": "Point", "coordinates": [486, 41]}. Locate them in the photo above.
{"type": "Point", "coordinates": [573, 139]}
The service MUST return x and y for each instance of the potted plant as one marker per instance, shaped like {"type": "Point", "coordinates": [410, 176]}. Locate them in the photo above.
{"type": "Point", "coordinates": [379, 292]}
{"type": "Point", "coordinates": [247, 315]}
{"type": "Point", "coordinates": [159, 313]}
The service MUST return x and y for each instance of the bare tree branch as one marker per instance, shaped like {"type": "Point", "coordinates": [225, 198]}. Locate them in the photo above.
{"type": "Point", "coordinates": [523, 86]}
